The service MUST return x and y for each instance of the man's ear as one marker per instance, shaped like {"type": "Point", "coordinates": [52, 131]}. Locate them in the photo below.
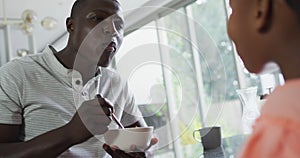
{"type": "Point", "coordinates": [264, 15]}
{"type": "Point", "coordinates": [69, 24]}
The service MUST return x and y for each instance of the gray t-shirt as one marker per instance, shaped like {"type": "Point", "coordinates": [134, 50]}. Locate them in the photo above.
{"type": "Point", "coordinates": [38, 92]}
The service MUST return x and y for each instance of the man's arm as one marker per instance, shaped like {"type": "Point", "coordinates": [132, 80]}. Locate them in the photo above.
{"type": "Point", "coordinates": [90, 118]}
{"type": "Point", "coordinates": [50, 144]}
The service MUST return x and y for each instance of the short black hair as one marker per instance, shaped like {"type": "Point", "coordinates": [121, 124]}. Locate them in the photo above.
{"type": "Point", "coordinates": [78, 2]}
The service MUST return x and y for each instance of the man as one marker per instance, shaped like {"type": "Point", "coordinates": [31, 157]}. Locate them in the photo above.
{"type": "Point", "coordinates": [269, 31]}
{"type": "Point", "coordinates": [48, 106]}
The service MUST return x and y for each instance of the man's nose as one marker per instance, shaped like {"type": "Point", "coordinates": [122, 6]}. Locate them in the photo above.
{"type": "Point", "coordinates": [110, 28]}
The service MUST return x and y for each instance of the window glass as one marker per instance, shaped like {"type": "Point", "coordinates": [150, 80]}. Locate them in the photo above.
{"type": "Point", "coordinates": [221, 66]}
{"type": "Point", "coordinates": [182, 87]}
{"type": "Point", "coordinates": [185, 73]}
{"type": "Point", "coordinates": [139, 61]}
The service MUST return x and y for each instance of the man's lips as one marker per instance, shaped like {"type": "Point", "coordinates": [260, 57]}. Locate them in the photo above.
{"type": "Point", "coordinates": [111, 47]}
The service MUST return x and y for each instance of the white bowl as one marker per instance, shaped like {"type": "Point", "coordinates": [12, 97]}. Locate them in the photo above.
{"type": "Point", "coordinates": [124, 138]}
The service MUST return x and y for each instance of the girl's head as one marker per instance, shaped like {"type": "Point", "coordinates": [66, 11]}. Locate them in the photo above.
{"type": "Point", "coordinates": [262, 29]}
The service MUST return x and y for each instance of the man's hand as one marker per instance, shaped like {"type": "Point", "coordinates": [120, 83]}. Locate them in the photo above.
{"type": "Point", "coordinates": [115, 152]}
{"type": "Point", "coordinates": [91, 119]}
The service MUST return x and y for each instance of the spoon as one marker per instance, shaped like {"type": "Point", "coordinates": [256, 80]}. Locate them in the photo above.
{"type": "Point", "coordinates": [117, 121]}
{"type": "Point", "coordinates": [111, 110]}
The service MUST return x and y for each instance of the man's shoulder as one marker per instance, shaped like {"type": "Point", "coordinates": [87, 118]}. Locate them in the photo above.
{"type": "Point", "coordinates": [13, 69]}
{"type": "Point", "coordinates": [13, 65]}
{"type": "Point", "coordinates": [21, 63]}
{"type": "Point", "coordinates": [110, 72]}
{"type": "Point", "coordinates": [18, 66]}
{"type": "Point", "coordinates": [114, 76]}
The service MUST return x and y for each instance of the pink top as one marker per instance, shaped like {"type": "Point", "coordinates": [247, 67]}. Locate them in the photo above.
{"type": "Point", "coordinates": [276, 132]}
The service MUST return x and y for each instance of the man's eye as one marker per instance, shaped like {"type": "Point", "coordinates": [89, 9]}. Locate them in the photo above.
{"type": "Point", "coordinates": [94, 17]}
{"type": "Point", "coordinates": [97, 19]}
{"type": "Point", "coordinates": [119, 24]}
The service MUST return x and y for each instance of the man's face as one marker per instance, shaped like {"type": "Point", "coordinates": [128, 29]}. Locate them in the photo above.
{"type": "Point", "coordinates": [98, 31]}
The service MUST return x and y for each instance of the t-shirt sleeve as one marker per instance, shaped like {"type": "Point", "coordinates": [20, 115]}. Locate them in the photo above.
{"type": "Point", "coordinates": [273, 137]}
{"type": "Point", "coordinates": [10, 94]}
{"type": "Point", "coordinates": [131, 113]}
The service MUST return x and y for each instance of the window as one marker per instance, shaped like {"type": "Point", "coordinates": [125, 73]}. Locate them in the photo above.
{"type": "Point", "coordinates": [184, 73]}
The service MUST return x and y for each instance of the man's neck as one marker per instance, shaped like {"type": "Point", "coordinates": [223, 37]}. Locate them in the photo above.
{"type": "Point", "coordinates": [70, 60]}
